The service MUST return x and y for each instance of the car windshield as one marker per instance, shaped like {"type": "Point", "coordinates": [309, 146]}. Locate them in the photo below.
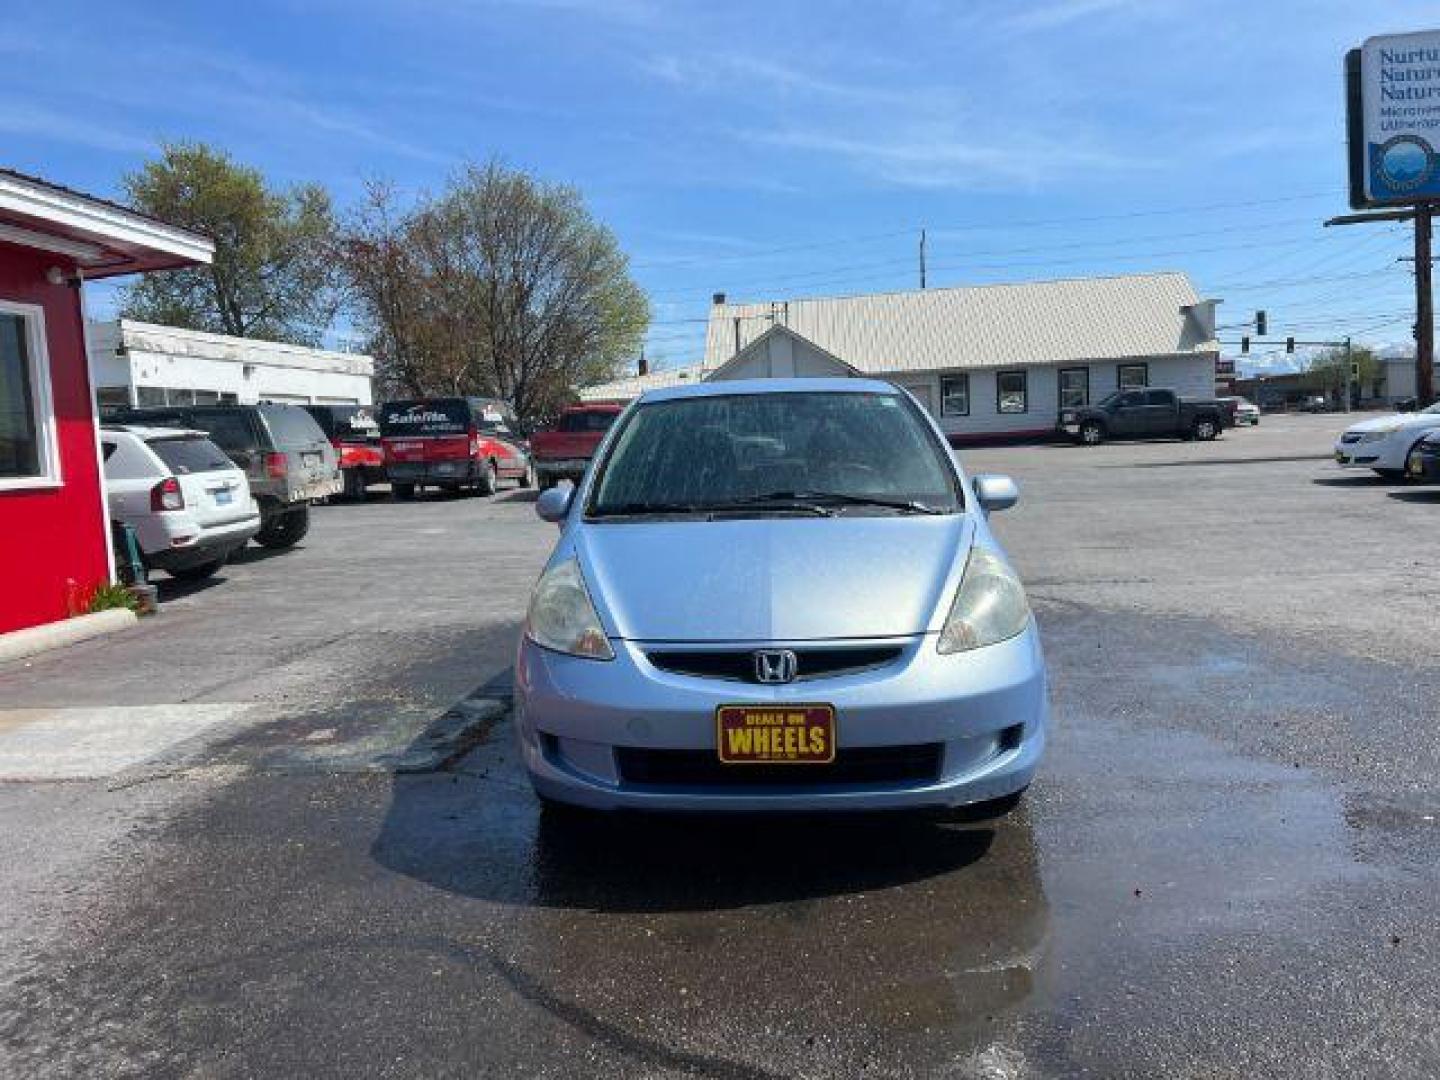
{"type": "Point", "coordinates": [191, 455]}
{"type": "Point", "coordinates": [825, 452]}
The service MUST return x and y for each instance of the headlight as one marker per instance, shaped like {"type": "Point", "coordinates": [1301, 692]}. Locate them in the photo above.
{"type": "Point", "coordinates": [561, 616]}
{"type": "Point", "coordinates": [989, 607]}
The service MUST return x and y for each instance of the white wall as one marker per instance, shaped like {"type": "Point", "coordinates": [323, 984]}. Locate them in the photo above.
{"type": "Point", "coordinates": [138, 355]}
{"type": "Point", "coordinates": [781, 356]}
{"type": "Point", "coordinates": [1399, 378]}
{"type": "Point", "coordinates": [1191, 376]}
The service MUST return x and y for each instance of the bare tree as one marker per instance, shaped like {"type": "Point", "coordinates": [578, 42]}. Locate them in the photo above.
{"type": "Point", "coordinates": [504, 285]}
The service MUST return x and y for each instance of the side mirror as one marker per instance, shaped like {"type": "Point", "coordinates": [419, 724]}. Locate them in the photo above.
{"type": "Point", "coordinates": [554, 504]}
{"type": "Point", "coordinates": [996, 492]}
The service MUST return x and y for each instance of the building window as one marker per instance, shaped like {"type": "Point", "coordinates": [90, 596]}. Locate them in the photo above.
{"type": "Point", "coordinates": [1074, 387]}
{"type": "Point", "coordinates": [1130, 376]}
{"type": "Point", "coordinates": [955, 395]}
{"type": "Point", "coordinates": [112, 399]}
{"type": "Point", "coordinates": [150, 396]}
{"type": "Point", "coordinates": [1010, 392]}
{"type": "Point", "coordinates": [28, 453]}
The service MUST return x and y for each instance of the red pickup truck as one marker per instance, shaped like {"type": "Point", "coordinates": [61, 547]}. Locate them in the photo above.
{"type": "Point", "coordinates": [564, 452]}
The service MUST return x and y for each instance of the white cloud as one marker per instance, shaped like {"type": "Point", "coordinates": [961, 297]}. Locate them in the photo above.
{"type": "Point", "coordinates": [940, 159]}
{"type": "Point", "coordinates": [36, 121]}
{"type": "Point", "coordinates": [1064, 12]}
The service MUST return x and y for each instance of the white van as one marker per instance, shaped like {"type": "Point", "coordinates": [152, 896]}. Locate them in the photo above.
{"type": "Point", "coordinates": [188, 503]}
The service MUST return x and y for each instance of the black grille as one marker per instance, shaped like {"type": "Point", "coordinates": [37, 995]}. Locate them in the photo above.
{"type": "Point", "coordinates": [739, 664]}
{"type": "Point", "coordinates": [860, 765]}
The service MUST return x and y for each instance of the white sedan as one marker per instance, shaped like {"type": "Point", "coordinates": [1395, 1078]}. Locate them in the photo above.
{"type": "Point", "coordinates": [1385, 443]}
{"type": "Point", "coordinates": [188, 503]}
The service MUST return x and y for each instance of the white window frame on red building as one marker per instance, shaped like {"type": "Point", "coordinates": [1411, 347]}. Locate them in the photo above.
{"type": "Point", "coordinates": [42, 404]}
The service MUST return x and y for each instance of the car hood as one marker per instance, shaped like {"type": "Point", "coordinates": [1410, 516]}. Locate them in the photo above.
{"type": "Point", "coordinates": [1397, 421]}
{"type": "Point", "coordinates": [773, 579]}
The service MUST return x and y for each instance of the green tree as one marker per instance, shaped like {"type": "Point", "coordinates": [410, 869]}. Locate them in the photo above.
{"type": "Point", "coordinates": [503, 285]}
{"type": "Point", "coordinates": [274, 272]}
{"type": "Point", "coordinates": [1326, 373]}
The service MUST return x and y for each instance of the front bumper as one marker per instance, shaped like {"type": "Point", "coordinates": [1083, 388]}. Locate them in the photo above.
{"type": "Point", "coordinates": [986, 711]}
{"type": "Point", "coordinates": [1386, 453]}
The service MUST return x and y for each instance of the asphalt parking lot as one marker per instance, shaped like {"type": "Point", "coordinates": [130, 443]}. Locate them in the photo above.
{"type": "Point", "coordinates": [1226, 868]}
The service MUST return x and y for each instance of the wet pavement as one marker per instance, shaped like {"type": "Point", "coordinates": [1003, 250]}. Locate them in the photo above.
{"type": "Point", "coordinates": [1226, 868]}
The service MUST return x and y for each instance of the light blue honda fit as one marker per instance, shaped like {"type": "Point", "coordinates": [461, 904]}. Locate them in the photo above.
{"type": "Point", "coordinates": [779, 594]}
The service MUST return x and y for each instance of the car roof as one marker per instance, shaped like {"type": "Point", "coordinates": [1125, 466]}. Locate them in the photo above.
{"type": "Point", "coordinates": [143, 431]}
{"type": "Point", "coordinates": [730, 387]}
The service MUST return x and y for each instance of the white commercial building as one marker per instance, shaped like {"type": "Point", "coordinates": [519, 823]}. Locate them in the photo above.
{"type": "Point", "coordinates": [139, 364]}
{"type": "Point", "coordinates": [985, 360]}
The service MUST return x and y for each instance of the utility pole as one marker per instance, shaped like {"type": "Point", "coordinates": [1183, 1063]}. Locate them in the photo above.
{"type": "Point", "coordinates": [1348, 372]}
{"type": "Point", "coordinates": [922, 258]}
{"type": "Point", "coordinates": [1420, 213]}
{"type": "Point", "coordinates": [1424, 310]}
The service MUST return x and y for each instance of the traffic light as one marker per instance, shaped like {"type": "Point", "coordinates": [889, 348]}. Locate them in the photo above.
{"type": "Point", "coordinates": [1290, 344]}
{"type": "Point", "coordinates": [1244, 344]}
{"type": "Point", "coordinates": [1260, 324]}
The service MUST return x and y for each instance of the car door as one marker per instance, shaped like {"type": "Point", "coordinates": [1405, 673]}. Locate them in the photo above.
{"type": "Point", "coordinates": [1129, 415]}
{"type": "Point", "coordinates": [1159, 413]}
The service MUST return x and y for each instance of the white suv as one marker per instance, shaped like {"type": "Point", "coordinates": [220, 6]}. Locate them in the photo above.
{"type": "Point", "coordinates": [188, 503]}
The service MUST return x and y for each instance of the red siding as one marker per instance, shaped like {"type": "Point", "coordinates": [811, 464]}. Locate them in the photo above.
{"type": "Point", "coordinates": [54, 537]}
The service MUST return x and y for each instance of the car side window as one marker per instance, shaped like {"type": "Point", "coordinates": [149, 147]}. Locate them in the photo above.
{"type": "Point", "coordinates": [1157, 397]}
{"type": "Point", "coordinates": [1130, 401]}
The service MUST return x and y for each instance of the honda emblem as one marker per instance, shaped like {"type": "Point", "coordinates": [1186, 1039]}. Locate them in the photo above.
{"type": "Point", "coordinates": [776, 666]}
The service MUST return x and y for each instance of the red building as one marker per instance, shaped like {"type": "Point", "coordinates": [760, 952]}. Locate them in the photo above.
{"type": "Point", "coordinates": [54, 526]}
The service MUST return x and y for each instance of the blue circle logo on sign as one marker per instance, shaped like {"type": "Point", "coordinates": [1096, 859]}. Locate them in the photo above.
{"type": "Point", "coordinates": [1406, 162]}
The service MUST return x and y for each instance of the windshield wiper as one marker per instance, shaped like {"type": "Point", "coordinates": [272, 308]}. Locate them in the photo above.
{"type": "Point", "coordinates": [815, 498]}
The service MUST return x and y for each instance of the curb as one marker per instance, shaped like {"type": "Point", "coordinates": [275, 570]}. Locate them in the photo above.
{"type": "Point", "coordinates": [33, 640]}
{"type": "Point", "coordinates": [453, 735]}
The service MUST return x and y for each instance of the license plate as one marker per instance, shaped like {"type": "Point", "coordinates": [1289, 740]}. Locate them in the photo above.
{"type": "Point", "coordinates": [775, 734]}
{"type": "Point", "coordinates": [224, 497]}
{"type": "Point", "coordinates": [310, 459]}
{"type": "Point", "coordinates": [444, 468]}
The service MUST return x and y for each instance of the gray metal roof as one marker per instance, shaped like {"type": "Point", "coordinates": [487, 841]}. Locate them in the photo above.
{"type": "Point", "coordinates": [634, 385]}
{"type": "Point", "coordinates": [1042, 322]}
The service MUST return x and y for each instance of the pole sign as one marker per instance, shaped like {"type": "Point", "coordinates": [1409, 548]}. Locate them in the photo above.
{"type": "Point", "coordinates": [1393, 119]}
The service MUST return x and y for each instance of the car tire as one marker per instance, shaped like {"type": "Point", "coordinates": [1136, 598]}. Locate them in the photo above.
{"type": "Point", "coordinates": [527, 478]}
{"type": "Point", "coordinates": [285, 530]}
{"type": "Point", "coordinates": [199, 572]}
{"type": "Point", "coordinates": [546, 483]}
{"type": "Point", "coordinates": [1205, 430]}
{"type": "Point", "coordinates": [1410, 477]}
{"type": "Point", "coordinates": [403, 492]}
{"type": "Point", "coordinates": [1091, 433]}
{"type": "Point", "coordinates": [488, 481]}
{"type": "Point", "coordinates": [989, 810]}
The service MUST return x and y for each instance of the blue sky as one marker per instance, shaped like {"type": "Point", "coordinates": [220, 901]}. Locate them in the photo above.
{"type": "Point", "coordinates": [778, 150]}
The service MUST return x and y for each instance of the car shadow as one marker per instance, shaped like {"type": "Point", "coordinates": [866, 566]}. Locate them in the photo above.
{"type": "Point", "coordinates": [478, 831]}
{"type": "Point", "coordinates": [1356, 481]}
{"type": "Point", "coordinates": [1418, 495]}
{"type": "Point", "coordinates": [254, 553]}
{"type": "Point", "coordinates": [169, 588]}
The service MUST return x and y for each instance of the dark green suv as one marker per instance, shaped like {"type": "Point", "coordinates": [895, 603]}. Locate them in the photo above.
{"type": "Point", "coordinates": [287, 459]}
